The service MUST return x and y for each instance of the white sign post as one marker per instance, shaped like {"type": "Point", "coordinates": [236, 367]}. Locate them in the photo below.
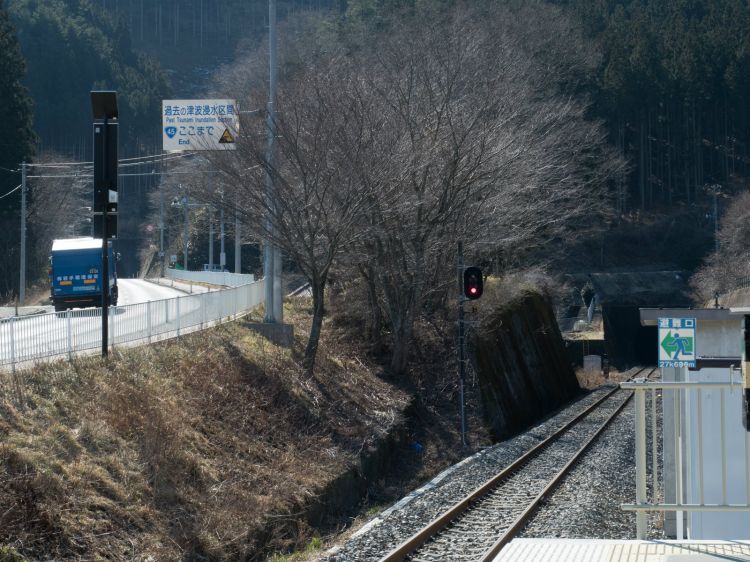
{"type": "Point", "coordinates": [677, 342]}
{"type": "Point", "coordinates": [199, 125]}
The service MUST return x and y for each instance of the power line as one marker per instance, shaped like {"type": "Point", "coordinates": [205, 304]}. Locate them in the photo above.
{"type": "Point", "coordinates": [159, 156]}
{"type": "Point", "coordinates": [165, 159]}
{"type": "Point", "coordinates": [170, 173]}
{"type": "Point", "coordinates": [147, 159]}
{"type": "Point", "coordinates": [11, 191]}
{"type": "Point", "coordinates": [153, 173]}
{"type": "Point", "coordinates": [58, 164]}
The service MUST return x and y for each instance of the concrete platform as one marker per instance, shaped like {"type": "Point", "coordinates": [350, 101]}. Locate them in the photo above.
{"type": "Point", "coordinates": [590, 550]}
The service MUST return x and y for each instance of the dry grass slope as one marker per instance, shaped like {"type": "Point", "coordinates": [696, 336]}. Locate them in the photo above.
{"type": "Point", "coordinates": [206, 447]}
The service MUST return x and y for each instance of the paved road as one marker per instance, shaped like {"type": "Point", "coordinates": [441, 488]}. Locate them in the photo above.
{"type": "Point", "coordinates": [41, 335]}
{"type": "Point", "coordinates": [134, 291]}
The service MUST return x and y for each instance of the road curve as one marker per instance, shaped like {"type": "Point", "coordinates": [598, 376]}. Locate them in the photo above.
{"type": "Point", "coordinates": [134, 291]}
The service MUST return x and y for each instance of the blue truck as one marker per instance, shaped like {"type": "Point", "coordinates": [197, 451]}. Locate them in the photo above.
{"type": "Point", "coordinates": [76, 273]}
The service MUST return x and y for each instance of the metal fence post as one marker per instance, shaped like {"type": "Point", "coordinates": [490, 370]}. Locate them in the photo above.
{"type": "Point", "coordinates": [203, 310]}
{"type": "Point", "coordinates": [13, 343]}
{"type": "Point", "coordinates": [177, 304]}
{"type": "Point", "coordinates": [219, 306]}
{"type": "Point", "coordinates": [148, 320]}
{"type": "Point", "coordinates": [640, 462]}
{"type": "Point", "coordinates": [70, 333]}
{"type": "Point", "coordinates": [110, 332]}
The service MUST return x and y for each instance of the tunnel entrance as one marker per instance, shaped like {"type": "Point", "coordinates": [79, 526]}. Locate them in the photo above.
{"type": "Point", "coordinates": [621, 295]}
{"type": "Point", "coordinates": [627, 342]}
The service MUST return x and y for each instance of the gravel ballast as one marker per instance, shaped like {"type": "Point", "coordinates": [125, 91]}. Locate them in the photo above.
{"type": "Point", "coordinates": [585, 504]}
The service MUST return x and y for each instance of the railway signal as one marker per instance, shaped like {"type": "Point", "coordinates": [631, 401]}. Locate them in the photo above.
{"type": "Point", "coordinates": [104, 106]}
{"type": "Point", "coordinates": [473, 284]}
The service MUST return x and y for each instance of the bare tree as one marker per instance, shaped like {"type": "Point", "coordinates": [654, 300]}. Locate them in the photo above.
{"type": "Point", "coordinates": [467, 146]}
{"type": "Point", "coordinates": [453, 124]}
{"type": "Point", "coordinates": [60, 207]}
{"type": "Point", "coordinates": [317, 202]}
{"type": "Point", "coordinates": [729, 267]}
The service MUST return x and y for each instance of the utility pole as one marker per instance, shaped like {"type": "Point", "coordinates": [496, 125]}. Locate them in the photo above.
{"type": "Point", "coordinates": [269, 268]}
{"type": "Point", "coordinates": [461, 366]}
{"type": "Point", "coordinates": [210, 238]}
{"type": "Point", "coordinates": [716, 219]}
{"type": "Point", "coordinates": [222, 254]}
{"type": "Point", "coordinates": [278, 302]}
{"type": "Point", "coordinates": [22, 281]}
{"type": "Point", "coordinates": [186, 235]}
{"type": "Point", "coordinates": [161, 216]}
{"type": "Point", "coordinates": [237, 245]}
{"type": "Point", "coordinates": [278, 299]}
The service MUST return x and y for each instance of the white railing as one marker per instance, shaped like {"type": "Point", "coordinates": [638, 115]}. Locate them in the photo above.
{"type": "Point", "coordinates": [59, 334]}
{"type": "Point", "coordinates": [223, 278]}
{"type": "Point", "coordinates": [705, 461]}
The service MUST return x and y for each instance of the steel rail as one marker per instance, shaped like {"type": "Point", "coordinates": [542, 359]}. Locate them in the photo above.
{"type": "Point", "coordinates": [522, 519]}
{"type": "Point", "coordinates": [411, 544]}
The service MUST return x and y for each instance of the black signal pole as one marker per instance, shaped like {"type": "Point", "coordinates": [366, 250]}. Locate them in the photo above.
{"type": "Point", "coordinates": [461, 361]}
{"type": "Point", "coordinates": [104, 106]}
{"type": "Point", "coordinates": [105, 259]}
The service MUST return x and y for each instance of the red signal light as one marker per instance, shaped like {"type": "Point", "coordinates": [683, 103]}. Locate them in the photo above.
{"type": "Point", "coordinates": [473, 283]}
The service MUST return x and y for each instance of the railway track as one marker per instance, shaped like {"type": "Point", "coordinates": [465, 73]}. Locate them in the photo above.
{"type": "Point", "coordinates": [477, 527]}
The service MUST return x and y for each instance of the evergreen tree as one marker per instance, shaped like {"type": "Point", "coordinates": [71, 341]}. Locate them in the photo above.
{"type": "Point", "coordinates": [16, 136]}
{"type": "Point", "coordinates": [92, 51]}
{"type": "Point", "coordinates": [16, 145]}
{"type": "Point", "coordinates": [673, 86]}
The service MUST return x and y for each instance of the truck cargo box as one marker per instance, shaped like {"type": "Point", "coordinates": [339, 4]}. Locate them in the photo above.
{"type": "Point", "coordinates": [75, 273]}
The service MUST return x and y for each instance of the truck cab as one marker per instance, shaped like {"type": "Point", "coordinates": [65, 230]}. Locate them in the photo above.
{"type": "Point", "coordinates": [76, 273]}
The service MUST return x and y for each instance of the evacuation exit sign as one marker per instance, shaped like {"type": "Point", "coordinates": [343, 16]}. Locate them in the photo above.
{"type": "Point", "coordinates": [677, 342]}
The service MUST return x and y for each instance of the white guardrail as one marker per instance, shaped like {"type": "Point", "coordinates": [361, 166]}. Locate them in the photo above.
{"type": "Point", "coordinates": [223, 278]}
{"type": "Point", "coordinates": [58, 334]}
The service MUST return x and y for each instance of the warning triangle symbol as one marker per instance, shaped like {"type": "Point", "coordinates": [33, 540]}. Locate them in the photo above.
{"type": "Point", "coordinates": [226, 138]}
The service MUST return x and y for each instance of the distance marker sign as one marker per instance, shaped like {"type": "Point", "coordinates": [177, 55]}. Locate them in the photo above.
{"type": "Point", "coordinates": [677, 342]}
{"type": "Point", "coordinates": [199, 124]}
